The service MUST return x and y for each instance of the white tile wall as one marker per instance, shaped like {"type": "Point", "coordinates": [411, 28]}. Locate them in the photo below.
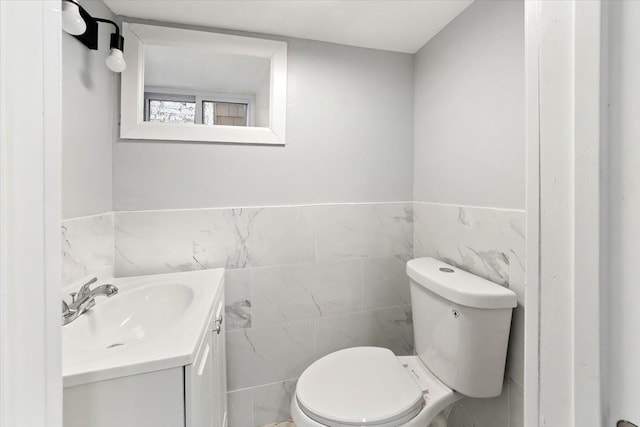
{"type": "Point", "coordinates": [271, 402]}
{"type": "Point", "coordinates": [268, 354]}
{"type": "Point", "coordinates": [333, 277]}
{"type": "Point", "coordinates": [385, 282]}
{"type": "Point", "coordinates": [490, 243]}
{"type": "Point", "coordinates": [363, 230]}
{"type": "Point", "coordinates": [253, 237]}
{"type": "Point", "coordinates": [492, 412]}
{"type": "Point", "coordinates": [487, 242]}
{"type": "Point", "coordinates": [303, 281]}
{"type": "Point", "coordinates": [505, 410]}
{"type": "Point", "coordinates": [87, 246]}
{"type": "Point", "coordinates": [153, 242]}
{"type": "Point", "coordinates": [389, 327]}
{"type": "Point", "coordinates": [286, 293]}
{"type": "Point", "coordinates": [239, 311]}
{"type": "Point", "coordinates": [459, 417]}
{"type": "Point", "coordinates": [240, 407]}
{"type": "Point", "coordinates": [262, 405]}
{"type": "Point", "coordinates": [516, 405]}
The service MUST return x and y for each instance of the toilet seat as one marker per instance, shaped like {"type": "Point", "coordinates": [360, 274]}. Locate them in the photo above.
{"type": "Point", "coordinates": [360, 386]}
{"type": "Point", "coordinates": [368, 386]}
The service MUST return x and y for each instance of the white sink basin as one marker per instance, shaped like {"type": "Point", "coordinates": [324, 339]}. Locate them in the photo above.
{"type": "Point", "coordinates": [153, 323]}
{"type": "Point", "coordinates": [128, 317]}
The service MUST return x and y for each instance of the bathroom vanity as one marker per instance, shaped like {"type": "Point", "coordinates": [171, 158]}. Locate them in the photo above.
{"type": "Point", "coordinates": [152, 355]}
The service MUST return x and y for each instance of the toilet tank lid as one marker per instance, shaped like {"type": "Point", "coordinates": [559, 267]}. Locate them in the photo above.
{"type": "Point", "coordinates": [458, 286]}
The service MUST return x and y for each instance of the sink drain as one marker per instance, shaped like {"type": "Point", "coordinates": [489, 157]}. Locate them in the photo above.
{"type": "Point", "coordinates": [115, 345]}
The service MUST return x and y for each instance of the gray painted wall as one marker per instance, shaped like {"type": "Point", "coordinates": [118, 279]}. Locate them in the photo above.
{"type": "Point", "coordinates": [349, 133]}
{"type": "Point", "coordinates": [87, 122]}
{"type": "Point", "coordinates": [469, 110]}
{"type": "Point", "coordinates": [469, 149]}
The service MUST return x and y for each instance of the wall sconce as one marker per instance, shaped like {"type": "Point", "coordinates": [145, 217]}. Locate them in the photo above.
{"type": "Point", "coordinates": [77, 22]}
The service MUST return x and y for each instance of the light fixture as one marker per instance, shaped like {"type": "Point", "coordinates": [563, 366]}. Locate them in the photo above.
{"type": "Point", "coordinates": [75, 18]}
{"type": "Point", "coordinates": [115, 60]}
{"type": "Point", "coordinates": [72, 22]}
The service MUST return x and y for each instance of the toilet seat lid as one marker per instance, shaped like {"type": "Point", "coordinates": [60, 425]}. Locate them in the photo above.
{"type": "Point", "coordinates": [359, 386]}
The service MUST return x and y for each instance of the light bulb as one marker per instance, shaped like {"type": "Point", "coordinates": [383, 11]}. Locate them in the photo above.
{"type": "Point", "coordinates": [72, 22]}
{"type": "Point", "coordinates": [115, 61]}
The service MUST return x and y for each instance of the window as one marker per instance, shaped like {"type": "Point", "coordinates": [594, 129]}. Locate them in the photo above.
{"type": "Point", "coordinates": [167, 60]}
{"type": "Point", "coordinates": [170, 108]}
{"type": "Point", "coordinates": [165, 105]}
{"type": "Point", "coordinates": [224, 113]}
{"type": "Point", "coordinates": [166, 111]}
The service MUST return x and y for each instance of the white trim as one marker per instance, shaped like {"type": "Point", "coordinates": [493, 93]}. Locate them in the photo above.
{"type": "Point", "coordinates": [75, 218]}
{"type": "Point", "coordinates": [587, 208]}
{"type": "Point", "coordinates": [52, 138]}
{"type": "Point", "coordinates": [557, 181]}
{"type": "Point", "coordinates": [605, 297]}
{"type": "Point", "coordinates": [133, 125]}
{"type": "Point", "coordinates": [294, 205]}
{"type": "Point", "coordinates": [563, 107]}
{"type": "Point", "coordinates": [260, 207]}
{"type": "Point", "coordinates": [30, 200]}
{"type": "Point", "coordinates": [532, 289]}
{"type": "Point", "coordinates": [472, 206]}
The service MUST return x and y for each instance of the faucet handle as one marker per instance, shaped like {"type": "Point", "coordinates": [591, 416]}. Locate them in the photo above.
{"type": "Point", "coordinates": [85, 290]}
{"type": "Point", "coordinates": [86, 306]}
{"type": "Point", "coordinates": [73, 298]}
{"type": "Point", "coordinates": [66, 313]}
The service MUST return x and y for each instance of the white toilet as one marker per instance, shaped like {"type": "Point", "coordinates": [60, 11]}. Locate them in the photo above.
{"type": "Point", "coordinates": [461, 328]}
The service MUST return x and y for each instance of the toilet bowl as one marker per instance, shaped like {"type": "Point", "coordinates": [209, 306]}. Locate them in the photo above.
{"type": "Point", "coordinates": [393, 391]}
{"type": "Point", "coordinates": [461, 328]}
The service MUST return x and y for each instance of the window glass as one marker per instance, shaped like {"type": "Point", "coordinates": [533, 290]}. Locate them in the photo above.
{"type": "Point", "coordinates": [224, 113]}
{"type": "Point", "coordinates": [166, 111]}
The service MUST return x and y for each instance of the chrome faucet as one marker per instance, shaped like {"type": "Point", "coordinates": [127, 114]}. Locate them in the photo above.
{"type": "Point", "coordinates": [83, 300]}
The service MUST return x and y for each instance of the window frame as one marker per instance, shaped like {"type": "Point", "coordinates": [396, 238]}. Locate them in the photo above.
{"type": "Point", "coordinates": [132, 121]}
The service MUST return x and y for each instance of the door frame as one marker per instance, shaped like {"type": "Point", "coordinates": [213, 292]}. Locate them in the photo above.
{"type": "Point", "coordinates": [30, 214]}
{"type": "Point", "coordinates": [565, 47]}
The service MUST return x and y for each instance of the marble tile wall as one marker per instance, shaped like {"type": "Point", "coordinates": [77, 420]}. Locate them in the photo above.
{"type": "Point", "coordinates": [490, 243]}
{"type": "Point", "coordinates": [87, 246]}
{"type": "Point", "coordinates": [302, 281]}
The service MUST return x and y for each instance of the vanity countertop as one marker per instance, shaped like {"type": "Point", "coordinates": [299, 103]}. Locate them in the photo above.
{"type": "Point", "coordinates": [154, 322]}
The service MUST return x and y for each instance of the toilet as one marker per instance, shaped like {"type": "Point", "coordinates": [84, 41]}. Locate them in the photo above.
{"type": "Point", "coordinates": [461, 328]}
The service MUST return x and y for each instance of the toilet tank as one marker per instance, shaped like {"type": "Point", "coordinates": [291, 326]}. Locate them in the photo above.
{"type": "Point", "coordinates": [461, 326]}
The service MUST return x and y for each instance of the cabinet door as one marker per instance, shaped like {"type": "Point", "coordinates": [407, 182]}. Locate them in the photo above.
{"type": "Point", "coordinates": [152, 399]}
{"type": "Point", "coordinates": [206, 379]}
{"type": "Point", "coordinates": [199, 387]}
{"type": "Point", "coordinates": [220, 369]}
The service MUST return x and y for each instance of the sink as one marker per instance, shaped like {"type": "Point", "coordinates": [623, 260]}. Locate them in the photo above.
{"type": "Point", "coordinates": [129, 317]}
{"type": "Point", "coordinates": [153, 323]}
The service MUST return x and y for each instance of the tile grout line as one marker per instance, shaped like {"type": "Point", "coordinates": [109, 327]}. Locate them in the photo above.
{"type": "Point", "coordinates": [264, 385]}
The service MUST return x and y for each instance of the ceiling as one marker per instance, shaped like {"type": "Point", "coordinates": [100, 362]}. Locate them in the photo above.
{"type": "Point", "coordinates": [396, 25]}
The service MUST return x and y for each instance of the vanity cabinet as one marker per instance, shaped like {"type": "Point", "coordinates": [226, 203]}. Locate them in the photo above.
{"type": "Point", "coordinates": [182, 396]}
